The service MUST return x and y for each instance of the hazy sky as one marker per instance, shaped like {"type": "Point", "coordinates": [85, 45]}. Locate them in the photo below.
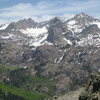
{"type": "Point", "coordinates": [11, 10]}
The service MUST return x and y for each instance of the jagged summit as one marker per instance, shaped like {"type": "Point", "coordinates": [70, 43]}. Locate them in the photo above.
{"type": "Point", "coordinates": [26, 23]}
{"type": "Point", "coordinates": [55, 21]}
{"type": "Point", "coordinates": [79, 22]}
{"type": "Point", "coordinates": [54, 31]}
{"type": "Point", "coordinates": [83, 16]}
{"type": "Point", "coordinates": [21, 24]}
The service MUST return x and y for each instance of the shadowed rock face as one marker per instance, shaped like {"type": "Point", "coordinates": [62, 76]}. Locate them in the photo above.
{"type": "Point", "coordinates": [91, 30]}
{"type": "Point", "coordinates": [55, 31]}
{"type": "Point", "coordinates": [92, 90]}
{"type": "Point", "coordinates": [46, 53]}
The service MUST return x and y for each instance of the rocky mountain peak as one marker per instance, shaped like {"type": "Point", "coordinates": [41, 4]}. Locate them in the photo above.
{"type": "Point", "coordinates": [55, 21]}
{"type": "Point", "coordinates": [11, 26]}
{"type": "Point", "coordinates": [83, 16]}
{"type": "Point", "coordinates": [22, 24]}
{"type": "Point", "coordinates": [79, 22]}
{"type": "Point", "coordinates": [26, 23]}
{"type": "Point", "coordinates": [55, 32]}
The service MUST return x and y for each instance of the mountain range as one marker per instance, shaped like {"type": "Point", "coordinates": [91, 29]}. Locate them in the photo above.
{"type": "Point", "coordinates": [66, 51]}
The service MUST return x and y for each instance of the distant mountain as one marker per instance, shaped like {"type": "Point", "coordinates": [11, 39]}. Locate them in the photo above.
{"type": "Point", "coordinates": [79, 22]}
{"type": "Point", "coordinates": [53, 32]}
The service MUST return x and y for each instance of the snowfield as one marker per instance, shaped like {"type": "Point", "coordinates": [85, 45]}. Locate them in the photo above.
{"type": "Point", "coordinates": [3, 27]}
{"type": "Point", "coordinates": [34, 32]}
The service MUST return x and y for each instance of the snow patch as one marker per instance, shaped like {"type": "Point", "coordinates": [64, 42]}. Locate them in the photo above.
{"type": "Point", "coordinates": [61, 58]}
{"type": "Point", "coordinates": [39, 41]}
{"type": "Point", "coordinates": [3, 27]}
{"type": "Point", "coordinates": [8, 36]}
{"type": "Point", "coordinates": [68, 41]}
{"type": "Point", "coordinates": [74, 27]}
{"type": "Point", "coordinates": [39, 35]}
{"type": "Point", "coordinates": [97, 23]}
{"type": "Point", "coordinates": [73, 22]}
{"type": "Point", "coordinates": [34, 32]}
{"type": "Point", "coordinates": [90, 40]}
{"type": "Point", "coordinates": [47, 43]}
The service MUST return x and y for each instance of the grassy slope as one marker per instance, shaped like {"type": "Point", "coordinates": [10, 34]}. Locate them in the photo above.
{"type": "Point", "coordinates": [4, 70]}
{"type": "Point", "coordinates": [29, 95]}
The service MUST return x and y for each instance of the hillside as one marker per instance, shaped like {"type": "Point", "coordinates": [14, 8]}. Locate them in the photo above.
{"type": "Point", "coordinates": [12, 93]}
{"type": "Point", "coordinates": [52, 57]}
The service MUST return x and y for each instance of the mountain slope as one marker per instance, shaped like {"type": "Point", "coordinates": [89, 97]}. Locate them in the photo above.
{"type": "Point", "coordinates": [12, 93]}
{"type": "Point", "coordinates": [64, 51]}
{"type": "Point", "coordinates": [79, 22]}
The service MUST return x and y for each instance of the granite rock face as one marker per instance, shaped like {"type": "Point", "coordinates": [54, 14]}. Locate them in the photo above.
{"type": "Point", "coordinates": [92, 90]}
